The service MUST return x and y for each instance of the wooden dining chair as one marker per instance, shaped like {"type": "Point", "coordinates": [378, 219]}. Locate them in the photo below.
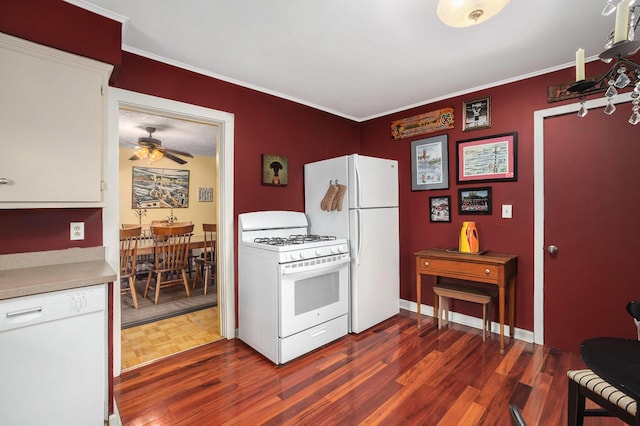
{"type": "Point", "coordinates": [129, 237]}
{"type": "Point", "coordinates": [171, 251]}
{"type": "Point", "coordinates": [207, 261]}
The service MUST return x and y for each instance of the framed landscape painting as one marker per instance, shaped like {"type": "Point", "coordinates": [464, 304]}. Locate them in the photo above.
{"type": "Point", "coordinates": [430, 163]}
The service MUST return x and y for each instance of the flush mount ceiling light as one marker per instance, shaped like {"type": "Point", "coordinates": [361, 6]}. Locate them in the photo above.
{"type": "Point", "coordinates": [464, 13]}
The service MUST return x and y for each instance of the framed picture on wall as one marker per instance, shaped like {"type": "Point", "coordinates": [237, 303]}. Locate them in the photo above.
{"type": "Point", "coordinates": [275, 170]}
{"type": "Point", "coordinates": [205, 194]}
{"type": "Point", "coordinates": [430, 163]}
{"type": "Point", "coordinates": [489, 159]}
{"type": "Point", "coordinates": [477, 114]}
{"type": "Point", "coordinates": [153, 188]}
{"type": "Point", "coordinates": [474, 201]}
{"type": "Point", "coordinates": [440, 209]}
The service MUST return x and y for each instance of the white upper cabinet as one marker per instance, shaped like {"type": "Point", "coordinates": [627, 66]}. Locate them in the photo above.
{"type": "Point", "coordinates": [53, 127]}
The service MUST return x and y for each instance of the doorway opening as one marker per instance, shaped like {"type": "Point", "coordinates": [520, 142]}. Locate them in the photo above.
{"type": "Point", "coordinates": [167, 175]}
{"type": "Point", "coordinates": [220, 192]}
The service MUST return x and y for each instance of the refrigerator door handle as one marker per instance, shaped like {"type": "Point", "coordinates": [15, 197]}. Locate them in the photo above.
{"type": "Point", "coordinates": [358, 188]}
{"type": "Point", "coordinates": [359, 238]}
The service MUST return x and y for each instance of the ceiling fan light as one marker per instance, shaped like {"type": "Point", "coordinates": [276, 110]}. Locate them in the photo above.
{"type": "Point", "coordinates": [459, 14]}
{"type": "Point", "coordinates": [142, 153]}
{"type": "Point", "coordinates": [155, 155]}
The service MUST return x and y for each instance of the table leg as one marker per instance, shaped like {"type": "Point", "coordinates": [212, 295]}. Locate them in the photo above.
{"type": "Point", "coordinates": [512, 306]}
{"type": "Point", "coordinates": [419, 294]}
{"type": "Point", "coordinates": [501, 309]}
{"type": "Point", "coordinates": [436, 302]}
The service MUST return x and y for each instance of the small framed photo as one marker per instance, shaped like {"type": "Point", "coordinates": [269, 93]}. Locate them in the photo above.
{"type": "Point", "coordinates": [477, 114]}
{"type": "Point", "coordinates": [489, 159]}
{"type": "Point", "coordinates": [205, 194]}
{"type": "Point", "coordinates": [474, 201]}
{"type": "Point", "coordinates": [430, 163]}
{"type": "Point", "coordinates": [275, 170]}
{"type": "Point", "coordinates": [440, 209]}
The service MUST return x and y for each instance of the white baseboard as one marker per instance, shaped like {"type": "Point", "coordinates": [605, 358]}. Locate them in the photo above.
{"type": "Point", "coordinates": [114, 419]}
{"type": "Point", "coordinates": [458, 318]}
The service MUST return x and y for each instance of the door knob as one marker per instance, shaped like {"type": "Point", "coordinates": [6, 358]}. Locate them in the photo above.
{"type": "Point", "coordinates": [552, 249]}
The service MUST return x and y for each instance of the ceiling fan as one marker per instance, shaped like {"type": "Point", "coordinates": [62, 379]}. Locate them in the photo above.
{"type": "Point", "coordinates": [151, 148]}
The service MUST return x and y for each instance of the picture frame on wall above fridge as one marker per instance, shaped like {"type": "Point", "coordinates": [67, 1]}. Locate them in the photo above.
{"type": "Point", "coordinates": [430, 163]}
{"type": "Point", "coordinates": [477, 114]}
{"type": "Point", "coordinates": [488, 159]}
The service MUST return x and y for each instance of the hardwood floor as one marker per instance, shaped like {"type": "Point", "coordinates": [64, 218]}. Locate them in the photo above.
{"type": "Point", "coordinates": [151, 342]}
{"type": "Point", "coordinates": [391, 374]}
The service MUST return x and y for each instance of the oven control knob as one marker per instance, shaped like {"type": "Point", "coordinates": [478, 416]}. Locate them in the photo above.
{"type": "Point", "coordinates": [334, 249]}
{"type": "Point", "coordinates": [318, 252]}
{"type": "Point", "coordinates": [293, 256]}
{"type": "Point", "coordinates": [302, 255]}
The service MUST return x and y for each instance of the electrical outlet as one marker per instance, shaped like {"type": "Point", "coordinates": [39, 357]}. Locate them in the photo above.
{"type": "Point", "coordinates": [77, 230]}
{"type": "Point", "coordinates": [507, 211]}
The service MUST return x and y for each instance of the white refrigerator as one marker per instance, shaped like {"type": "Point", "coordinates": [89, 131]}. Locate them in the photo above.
{"type": "Point", "coordinates": [368, 217]}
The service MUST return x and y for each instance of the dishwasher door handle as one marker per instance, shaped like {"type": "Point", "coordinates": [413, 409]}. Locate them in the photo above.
{"type": "Point", "coordinates": [24, 315]}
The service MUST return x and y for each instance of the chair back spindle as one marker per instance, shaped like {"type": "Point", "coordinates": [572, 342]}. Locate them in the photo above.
{"type": "Point", "coordinates": [129, 237]}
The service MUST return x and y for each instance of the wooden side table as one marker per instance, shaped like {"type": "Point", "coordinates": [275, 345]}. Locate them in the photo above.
{"type": "Point", "coordinates": [490, 268]}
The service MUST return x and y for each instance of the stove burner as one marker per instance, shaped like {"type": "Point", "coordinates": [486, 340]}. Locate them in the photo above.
{"type": "Point", "coordinates": [293, 239]}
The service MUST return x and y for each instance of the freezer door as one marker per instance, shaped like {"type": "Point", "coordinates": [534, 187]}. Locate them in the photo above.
{"type": "Point", "coordinates": [373, 181]}
{"type": "Point", "coordinates": [375, 268]}
{"type": "Point", "coordinates": [317, 178]}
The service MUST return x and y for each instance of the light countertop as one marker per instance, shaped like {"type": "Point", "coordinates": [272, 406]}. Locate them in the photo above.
{"type": "Point", "coordinates": [24, 274]}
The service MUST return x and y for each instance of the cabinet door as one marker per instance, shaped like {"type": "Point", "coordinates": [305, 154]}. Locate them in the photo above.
{"type": "Point", "coordinates": [53, 121]}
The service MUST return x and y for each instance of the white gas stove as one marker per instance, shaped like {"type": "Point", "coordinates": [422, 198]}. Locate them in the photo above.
{"type": "Point", "coordinates": [293, 288]}
{"type": "Point", "coordinates": [285, 233]}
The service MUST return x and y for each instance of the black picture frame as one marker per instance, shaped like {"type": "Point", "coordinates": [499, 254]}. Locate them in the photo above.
{"type": "Point", "coordinates": [430, 163]}
{"type": "Point", "coordinates": [440, 209]}
{"type": "Point", "coordinates": [473, 201]}
{"type": "Point", "coordinates": [477, 114]}
{"type": "Point", "coordinates": [487, 159]}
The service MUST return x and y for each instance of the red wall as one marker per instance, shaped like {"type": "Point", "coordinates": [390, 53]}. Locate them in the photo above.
{"type": "Point", "coordinates": [512, 108]}
{"type": "Point", "coordinates": [266, 124]}
{"type": "Point", "coordinates": [263, 123]}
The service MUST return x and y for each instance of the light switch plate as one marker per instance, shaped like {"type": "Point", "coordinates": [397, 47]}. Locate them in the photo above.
{"type": "Point", "coordinates": [77, 231]}
{"type": "Point", "coordinates": [507, 211]}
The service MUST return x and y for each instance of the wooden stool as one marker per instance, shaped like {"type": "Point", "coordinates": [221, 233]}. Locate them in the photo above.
{"type": "Point", "coordinates": [444, 292]}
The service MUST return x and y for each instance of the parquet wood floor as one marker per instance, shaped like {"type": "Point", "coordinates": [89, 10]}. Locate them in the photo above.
{"type": "Point", "coordinates": [391, 374]}
{"type": "Point", "coordinates": [150, 342]}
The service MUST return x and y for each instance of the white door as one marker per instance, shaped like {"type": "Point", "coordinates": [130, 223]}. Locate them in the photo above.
{"type": "Point", "coordinates": [373, 181]}
{"type": "Point", "coordinates": [375, 270]}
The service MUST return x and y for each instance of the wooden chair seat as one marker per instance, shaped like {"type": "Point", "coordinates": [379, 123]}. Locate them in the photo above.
{"type": "Point", "coordinates": [207, 263]}
{"type": "Point", "coordinates": [446, 291]}
{"type": "Point", "coordinates": [587, 384]}
{"type": "Point", "coordinates": [171, 251]}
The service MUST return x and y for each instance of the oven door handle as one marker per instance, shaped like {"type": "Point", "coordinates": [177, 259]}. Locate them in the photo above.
{"type": "Point", "coordinates": [315, 270]}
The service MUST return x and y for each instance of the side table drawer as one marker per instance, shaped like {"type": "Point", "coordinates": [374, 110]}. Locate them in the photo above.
{"type": "Point", "coordinates": [462, 270]}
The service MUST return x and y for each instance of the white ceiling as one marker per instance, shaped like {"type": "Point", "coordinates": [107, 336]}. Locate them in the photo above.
{"type": "Point", "coordinates": [198, 139]}
{"type": "Point", "coordinates": [358, 59]}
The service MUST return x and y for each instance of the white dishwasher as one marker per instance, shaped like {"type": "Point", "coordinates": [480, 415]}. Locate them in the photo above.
{"type": "Point", "coordinates": [53, 365]}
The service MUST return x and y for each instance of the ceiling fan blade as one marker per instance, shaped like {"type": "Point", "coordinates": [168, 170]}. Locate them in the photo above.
{"type": "Point", "coordinates": [133, 157]}
{"type": "Point", "coordinates": [174, 158]}
{"type": "Point", "coordinates": [173, 151]}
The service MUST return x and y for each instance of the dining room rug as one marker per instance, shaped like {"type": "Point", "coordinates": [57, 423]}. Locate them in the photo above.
{"type": "Point", "coordinates": [173, 302]}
